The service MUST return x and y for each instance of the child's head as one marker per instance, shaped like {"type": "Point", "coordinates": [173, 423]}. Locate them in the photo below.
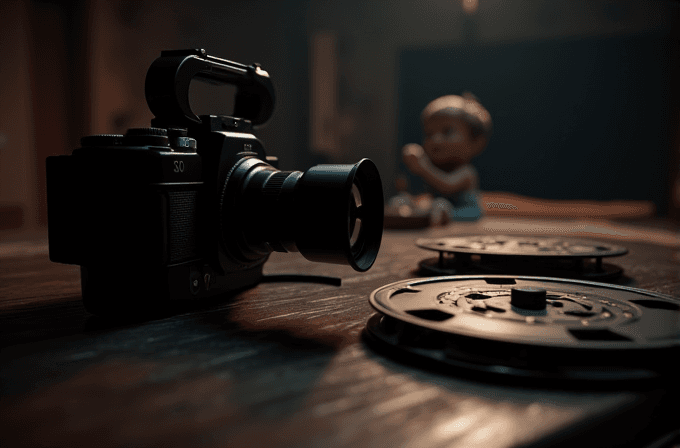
{"type": "Point", "coordinates": [457, 128]}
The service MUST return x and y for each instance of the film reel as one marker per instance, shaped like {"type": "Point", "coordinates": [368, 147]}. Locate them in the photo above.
{"type": "Point", "coordinates": [530, 326]}
{"type": "Point", "coordinates": [521, 255]}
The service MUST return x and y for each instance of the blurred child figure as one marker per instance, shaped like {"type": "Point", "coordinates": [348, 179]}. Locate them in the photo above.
{"type": "Point", "coordinates": [457, 128]}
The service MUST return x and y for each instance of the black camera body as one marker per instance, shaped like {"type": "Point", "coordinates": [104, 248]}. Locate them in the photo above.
{"type": "Point", "coordinates": [192, 206]}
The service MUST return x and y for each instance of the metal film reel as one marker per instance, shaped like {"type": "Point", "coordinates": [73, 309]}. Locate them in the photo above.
{"type": "Point", "coordinates": [531, 326]}
{"type": "Point", "coordinates": [521, 255]}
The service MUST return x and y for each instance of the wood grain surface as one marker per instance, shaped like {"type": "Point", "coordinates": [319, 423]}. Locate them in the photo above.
{"type": "Point", "coordinates": [288, 364]}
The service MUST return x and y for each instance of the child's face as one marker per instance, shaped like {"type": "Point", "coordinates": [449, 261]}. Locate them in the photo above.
{"type": "Point", "coordinates": [448, 140]}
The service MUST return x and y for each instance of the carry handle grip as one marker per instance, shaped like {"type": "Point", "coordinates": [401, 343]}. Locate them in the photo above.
{"type": "Point", "coordinates": [168, 79]}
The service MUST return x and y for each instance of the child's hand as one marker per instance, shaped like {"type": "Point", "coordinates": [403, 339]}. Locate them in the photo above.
{"type": "Point", "coordinates": [413, 156]}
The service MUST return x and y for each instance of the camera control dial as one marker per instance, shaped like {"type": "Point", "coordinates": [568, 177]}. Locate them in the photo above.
{"type": "Point", "coordinates": [180, 142]}
{"type": "Point", "coordinates": [102, 140]}
{"type": "Point", "coordinates": [147, 137]}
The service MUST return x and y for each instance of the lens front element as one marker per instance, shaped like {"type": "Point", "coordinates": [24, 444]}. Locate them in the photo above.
{"type": "Point", "coordinates": [331, 229]}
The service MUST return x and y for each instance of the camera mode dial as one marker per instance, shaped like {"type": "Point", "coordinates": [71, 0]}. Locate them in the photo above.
{"type": "Point", "coordinates": [102, 140]}
{"type": "Point", "coordinates": [148, 137]}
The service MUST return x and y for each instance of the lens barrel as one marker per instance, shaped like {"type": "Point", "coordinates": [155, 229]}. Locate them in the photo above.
{"type": "Point", "coordinates": [329, 213]}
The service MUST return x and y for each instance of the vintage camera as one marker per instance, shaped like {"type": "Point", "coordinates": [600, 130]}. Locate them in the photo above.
{"type": "Point", "coordinates": [192, 207]}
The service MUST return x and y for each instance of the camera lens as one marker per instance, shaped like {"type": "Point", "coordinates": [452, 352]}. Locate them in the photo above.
{"type": "Point", "coordinates": [329, 213]}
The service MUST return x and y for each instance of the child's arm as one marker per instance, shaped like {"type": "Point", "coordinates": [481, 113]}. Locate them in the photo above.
{"type": "Point", "coordinates": [463, 178]}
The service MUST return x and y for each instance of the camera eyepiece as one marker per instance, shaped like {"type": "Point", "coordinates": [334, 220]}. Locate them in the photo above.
{"type": "Point", "coordinates": [329, 213]}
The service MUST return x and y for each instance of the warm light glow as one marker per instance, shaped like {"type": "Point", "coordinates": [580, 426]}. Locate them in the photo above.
{"type": "Point", "coordinates": [458, 426]}
{"type": "Point", "coordinates": [470, 6]}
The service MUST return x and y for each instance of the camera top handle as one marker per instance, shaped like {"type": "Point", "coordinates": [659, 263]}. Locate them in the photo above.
{"type": "Point", "coordinates": [168, 79]}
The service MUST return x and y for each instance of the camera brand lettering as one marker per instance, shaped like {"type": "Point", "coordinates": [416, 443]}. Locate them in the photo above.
{"type": "Point", "coordinates": [179, 166]}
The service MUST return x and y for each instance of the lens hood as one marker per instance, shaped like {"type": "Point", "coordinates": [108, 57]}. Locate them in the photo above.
{"type": "Point", "coordinates": [340, 214]}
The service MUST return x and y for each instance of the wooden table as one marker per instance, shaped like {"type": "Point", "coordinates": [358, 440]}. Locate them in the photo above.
{"type": "Point", "coordinates": [286, 364]}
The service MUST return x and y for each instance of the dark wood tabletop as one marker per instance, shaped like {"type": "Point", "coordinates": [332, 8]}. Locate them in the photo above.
{"type": "Point", "coordinates": [288, 364]}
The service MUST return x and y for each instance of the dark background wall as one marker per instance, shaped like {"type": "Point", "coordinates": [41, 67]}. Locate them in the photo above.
{"type": "Point", "coordinates": [582, 118]}
{"type": "Point", "coordinates": [74, 68]}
